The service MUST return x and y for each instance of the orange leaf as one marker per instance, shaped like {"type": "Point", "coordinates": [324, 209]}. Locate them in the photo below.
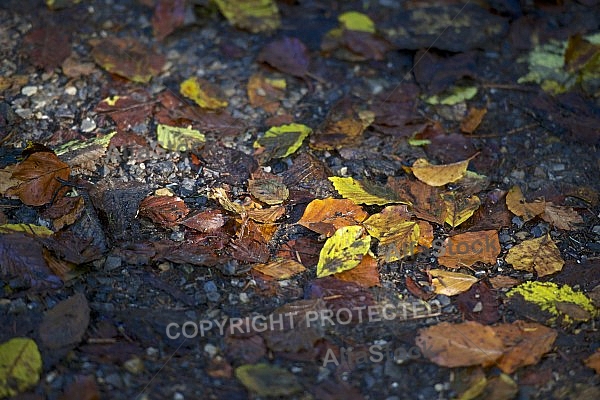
{"type": "Point", "coordinates": [516, 203]}
{"type": "Point", "coordinates": [328, 215]}
{"type": "Point", "coordinates": [468, 248]}
{"type": "Point", "coordinates": [365, 273]}
{"type": "Point", "coordinates": [281, 269]}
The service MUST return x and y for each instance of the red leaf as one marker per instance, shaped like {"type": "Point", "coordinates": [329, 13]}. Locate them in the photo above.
{"type": "Point", "coordinates": [288, 55]}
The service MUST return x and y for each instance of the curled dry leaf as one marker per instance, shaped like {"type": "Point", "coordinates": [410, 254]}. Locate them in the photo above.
{"type": "Point", "coordinates": [269, 190]}
{"type": "Point", "coordinates": [439, 175]}
{"type": "Point", "coordinates": [460, 345]}
{"type": "Point", "coordinates": [516, 203]}
{"type": "Point", "coordinates": [538, 255]}
{"type": "Point", "coordinates": [468, 248]}
{"type": "Point", "coordinates": [450, 283]}
{"type": "Point", "coordinates": [38, 178]}
{"type": "Point", "coordinates": [328, 215]}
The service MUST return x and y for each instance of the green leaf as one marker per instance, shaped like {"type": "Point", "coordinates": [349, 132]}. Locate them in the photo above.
{"type": "Point", "coordinates": [267, 380]}
{"type": "Point", "coordinates": [281, 141]}
{"type": "Point", "coordinates": [252, 15]}
{"type": "Point", "coordinates": [35, 230]}
{"type": "Point", "coordinates": [454, 95]}
{"type": "Point", "coordinates": [343, 251]}
{"type": "Point", "coordinates": [365, 192]}
{"type": "Point", "coordinates": [20, 366]}
{"type": "Point", "coordinates": [179, 139]}
{"type": "Point", "coordinates": [355, 21]}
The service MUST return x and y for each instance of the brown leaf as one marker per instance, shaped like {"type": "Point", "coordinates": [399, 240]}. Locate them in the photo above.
{"type": "Point", "coordinates": [516, 203]}
{"type": "Point", "coordinates": [83, 388]}
{"type": "Point", "coordinates": [450, 283]}
{"type": "Point", "coordinates": [395, 111]}
{"type": "Point", "coordinates": [540, 255]}
{"type": "Point", "coordinates": [525, 344]}
{"type": "Point", "coordinates": [128, 58]}
{"type": "Point", "coordinates": [268, 189]}
{"type": "Point", "coordinates": [66, 323]}
{"type": "Point", "coordinates": [593, 361]}
{"type": "Point", "coordinates": [127, 111]}
{"type": "Point", "coordinates": [304, 250]}
{"type": "Point", "coordinates": [460, 345]}
{"type": "Point", "coordinates": [38, 178]}
{"type": "Point", "coordinates": [205, 221]}
{"type": "Point", "coordinates": [468, 248]}
{"type": "Point", "coordinates": [166, 211]}
{"type": "Point", "coordinates": [265, 92]}
{"type": "Point", "coordinates": [365, 273]}
{"type": "Point", "coordinates": [281, 269]}
{"type": "Point", "coordinates": [562, 217]}
{"type": "Point", "coordinates": [479, 304]}
{"type": "Point", "coordinates": [328, 215]}
{"type": "Point", "coordinates": [168, 16]}
{"type": "Point", "coordinates": [501, 282]}
{"type": "Point", "coordinates": [427, 201]}
{"type": "Point", "coordinates": [472, 120]}
{"type": "Point", "coordinates": [439, 175]}
{"type": "Point", "coordinates": [64, 211]}
{"type": "Point", "coordinates": [288, 55]}
{"type": "Point", "coordinates": [47, 46]}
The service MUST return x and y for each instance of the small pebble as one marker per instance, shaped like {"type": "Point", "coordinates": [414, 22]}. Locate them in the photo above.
{"type": "Point", "coordinates": [134, 365]}
{"type": "Point", "coordinates": [596, 230]}
{"type": "Point", "coordinates": [71, 90]}
{"type": "Point", "coordinates": [87, 125]}
{"type": "Point", "coordinates": [211, 350]}
{"type": "Point", "coordinates": [244, 297]}
{"type": "Point", "coordinates": [29, 90]}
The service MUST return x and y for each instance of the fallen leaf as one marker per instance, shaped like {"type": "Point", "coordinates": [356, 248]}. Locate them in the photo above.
{"type": "Point", "coordinates": [30, 229]}
{"type": "Point", "coordinates": [281, 269]}
{"type": "Point", "coordinates": [480, 304]}
{"type": "Point", "coordinates": [538, 255]}
{"type": "Point", "coordinates": [166, 211]}
{"type": "Point", "coordinates": [288, 55]}
{"type": "Point", "coordinates": [439, 175]}
{"type": "Point", "coordinates": [282, 141]}
{"type": "Point", "coordinates": [516, 203]}
{"type": "Point", "coordinates": [179, 139]}
{"type": "Point", "coordinates": [269, 190]}
{"type": "Point", "coordinates": [66, 323]}
{"type": "Point", "coordinates": [342, 295]}
{"type": "Point", "coordinates": [450, 283]}
{"type": "Point", "coordinates": [460, 345]}
{"type": "Point", "coordinates": [562, 217]}
{"type": "Point", "coordinates": [362, 192]}
{"type": "Point", "coordinates": [502, 282]}
{"type": "Point", "coordinates": [328, 215]}
{"type": "Point", "coordinates": [525, 343]}
{"type": "Point", "coordinates": [453, 95]}
{"type": "Point", "coordinates": [168, 16]}
{"type": "Point", "coordinates": [205, 221]}
{"type": "Point", "coordinates": [383, 223]}
{"type": "Point", "coordinates": [365, 273]}
{"type": "Point", "coordinates": [38, 178]}
{"type": "Point", "coordinates": [85, 154]}
{"type": "Point", "coordinates": [343, 251]}
{"type": "Point", "coordinates": [426, 200]}
{"type": "Point", "coordinates": [459, 208]}
{"type": "Point", "coordinates": [252, 15]}
{"type": "Point", "coordinates": [128, 111]}
{"type": "Point", "coordinates": [83, 388]}
{"type": "Point", "coordinates": [466, 249]}
{"type": "Point", "coordinates": [398, 236]}
{"type": "Point", "coordinates": [64, 211]}
{"type": "Point", "coordinates": [472, 120]}
{"type": "Point", "coordinates": [593, 361]}
{"type": "Point", "coordinates": [204, 93]}
{"type": "Point", "coordinates": [266, 92]}
{"type": "Point", "coordinates": [48, 46]}
{"type": "Point", "coordinates": [20, 366]}
{"type": "Point", "coordinates": [500, 387]}
{"type": "Point", "coordinates": [128, 58]}
{"type": "Point", "coordinates": [267, 380]}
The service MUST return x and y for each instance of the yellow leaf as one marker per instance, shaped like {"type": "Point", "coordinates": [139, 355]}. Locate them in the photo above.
{"type": "Point", "coordinates": [281, 269]}
{"type": "Point", "coordinates": [281, 141]}
{"type": "Point", "coordinates": [343, 251]}
{"type": "Point", "coordinates": [458, 209]}
{"type": "Point", "coordinates": [20, 366]}
{"type": "Point", "coordinates": [355, 21]}
{"type": "Point", "coordinates": [400, 242]}
{"type": "Point", "coordinates": [179, 139]}
{"type": "Point", "coordinates": [540, 255]}
{"type": "Point", "coordinates": [252, 15]}
{"type": "Point", "coordinates": [203, 93]}
{"type": "Point", "coordinates": [516, 203]}
{"type": "Point", "coordinates": [364, 192]}
{"type": "Point", "coordinates": [32, 229]}
{"type": "Point", "coordinates": [268, 380]}
{"type": "Point", "coordinates": [453, 96]}
{"type": "Point", "coordinates": [383, 223]}
{"type": "Point", "coordinates": [439, 175]}
{"type": "Point", "coordinates": [548, 296]}
{"type": "Point", "coordinates": [451, 283]}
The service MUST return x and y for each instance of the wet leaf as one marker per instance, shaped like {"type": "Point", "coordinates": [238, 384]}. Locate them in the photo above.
{"type": "Point", "coordinates": [85, 154]}
{"type": "Point", "coordinates": [166, 211]}
{"type": "Point", "coordinates": [288, 55]}
{"type": "Point", "coordinates": [31, 229]}
{"type": "Point", "coordinates": [65, 210]}
{"type": "Point", "coordinates": [472, 120]}
{"type": "Point", "coordinates": [204, 93]}
{"type": "Point", "coordinates": [267, 380]}
{"type": "Point", "coordinates": [548, 296]}
{"type": "Point", "coordinates": [343, 251]}
{"type": "Point", "coordinates": [37, 177]}
{"type": "Point", "coordinates": [453, 96]}
{"type": "Point", "coordinates": [128, 111]}
{"type": "Point", "coordinates": [468, 248]}
{"type": "Point", "coordinates": [480, 304]}
{"type": "Point", "coordinates": [66, 323]}
{"type": "Point", "coordinates": [205, 221]}
{"type": "Point", "coordinates": [269, 189]}
{"type": "Point", "coordinates": [439, 175]}
{"type": "Point", "coordinates": [516, 203]}
{"type": "Point", "coordinates": [362, 192]}
{"type": "Point", "coordinates": [525, 344]}
{"type": "Point", "coordinates": [538, 255]}
{"type": "Point", "coordinates": [252, 15]}
{"type": "Point", "coordinates": [328, 215]}
{"type": "Point", "coordinates": [427, 200]}
{"type": "Point", "coordinates": [450, 283]}
{"type": "Point", "coordinates": [281, 269]}
{"type": "Point", "coordinates": [562, 217]}
{"type": "Point", "coordinates": [84, 388]}
{"type": "Point", "coordinates": [179, 139]}
{"type": "Point", "coordinates": [365, 273]}
{"type": "Point", "coordinates": [48, 46]}
{"type": "Point", "coordinates": [593, 362]}
{"type": "Point", "coordinates": [20, 366]}
{"type": "Point", "coordinates": [460, 345]}
{"type": "Point", "coordinates": [282, 141]}
{"type": "Point", "coordinates": [128, 58]}
{"type": "Point", "coordinates": [383, 223]}
{"type": "Point", "coordinates": [168, 16]}
{"type": "Point", "coordinates": [356, 21]}
{"type": "Point", "coordinates": [459, 209]}
{"type": "Point", "coordinates": [398, 236]}
{"type": "Point", "coordinates": [266, 92]}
